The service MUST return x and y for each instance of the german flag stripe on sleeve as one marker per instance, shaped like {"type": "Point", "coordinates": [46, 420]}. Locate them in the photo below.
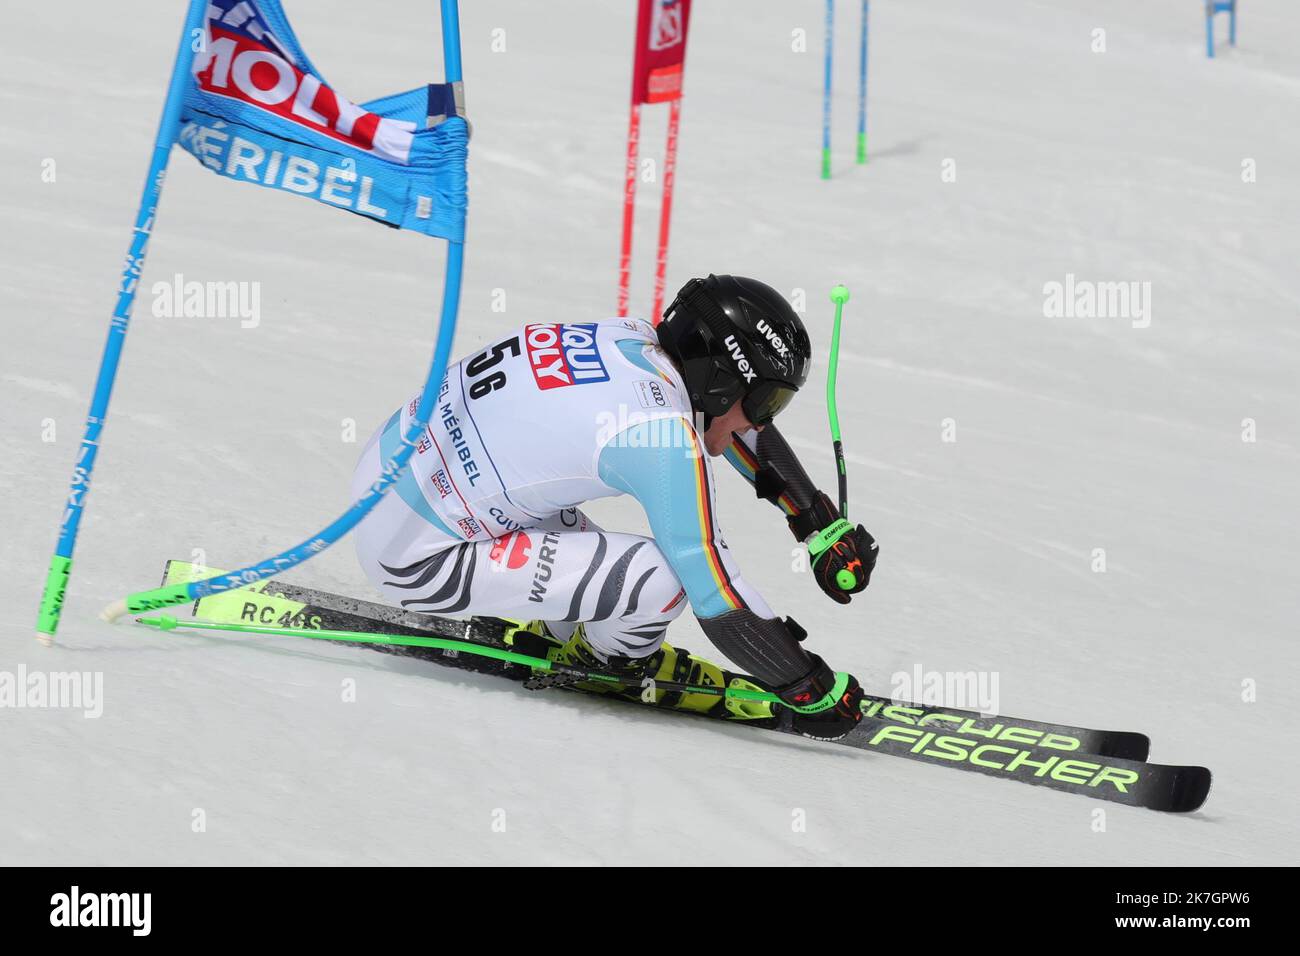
{"type": "Point", "coordinates": [746, 462]}
{"type": "Point", "coordinates": [708, 530]}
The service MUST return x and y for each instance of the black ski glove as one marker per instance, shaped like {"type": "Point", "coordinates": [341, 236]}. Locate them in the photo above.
{"type": "Point", "coordinates": [842, 556]}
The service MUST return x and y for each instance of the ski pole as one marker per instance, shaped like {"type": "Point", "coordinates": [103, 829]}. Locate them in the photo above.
{"type": "Point", "coordinates": [166, 622]}
{"type": "Point", "coordinates": [839, 295]}
{"type": "Point", "coordinates": [826, 90]}
{"type": "Point", "coordinates": [862, 85]}
{"type": "Point", "coordinates": [846, 579]}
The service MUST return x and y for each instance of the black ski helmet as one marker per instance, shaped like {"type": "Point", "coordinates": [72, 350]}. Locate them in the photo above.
{"type": "Point", "coordinates": [736, 340]}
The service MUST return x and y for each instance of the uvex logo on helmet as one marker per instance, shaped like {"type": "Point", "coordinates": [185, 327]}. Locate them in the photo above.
{"type": "Point", "coordinates": [738, 356]}
{"type": "Point", "coordinates": [773, 339]}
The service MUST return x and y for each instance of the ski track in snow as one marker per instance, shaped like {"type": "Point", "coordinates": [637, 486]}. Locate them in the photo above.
{"type": "Point", "coordinates": [1072, 434]}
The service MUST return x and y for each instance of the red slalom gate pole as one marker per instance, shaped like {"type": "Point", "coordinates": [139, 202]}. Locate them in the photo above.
{"type": "Point", "coordinates": [666, 210]}
{"type": "Point", "coordinates": [629, 203]}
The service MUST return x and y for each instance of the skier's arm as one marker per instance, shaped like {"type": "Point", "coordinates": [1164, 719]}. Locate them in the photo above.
{"type": "Point", "coordinates": [663, 465]}
{"type": "Point", "coordinates": [768, 462]}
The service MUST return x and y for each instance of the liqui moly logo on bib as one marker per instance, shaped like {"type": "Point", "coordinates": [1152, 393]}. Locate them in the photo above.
{"type": "Point", "coordinates": [242, 61]}
{"type": "Point", "coordinates": [562, 355]}
{"type": "Point", "coordinates": [666, 24]}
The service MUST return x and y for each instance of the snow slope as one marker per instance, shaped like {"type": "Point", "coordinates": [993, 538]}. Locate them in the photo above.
{"type": "Point", "coordinates": [1072, 434]}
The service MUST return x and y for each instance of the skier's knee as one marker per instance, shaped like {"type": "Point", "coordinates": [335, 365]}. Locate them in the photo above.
{"type": "Point", "coordinates": [655, 593]}
{"type": "Point", "coordinates": [636, 605]}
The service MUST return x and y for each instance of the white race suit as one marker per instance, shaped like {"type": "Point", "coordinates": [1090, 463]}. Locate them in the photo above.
{"type": "Point", "coordinates": [486, 519]}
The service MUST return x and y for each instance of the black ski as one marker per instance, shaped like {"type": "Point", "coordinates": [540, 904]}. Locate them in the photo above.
{"type": "Point", "coordinates": [1107, 765]}
{"type": "Point", "coordinates": [1177, 789]}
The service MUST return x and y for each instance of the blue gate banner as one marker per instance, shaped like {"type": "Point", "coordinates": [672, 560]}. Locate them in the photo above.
{"type": "Point", "coordinates": [258, 111]}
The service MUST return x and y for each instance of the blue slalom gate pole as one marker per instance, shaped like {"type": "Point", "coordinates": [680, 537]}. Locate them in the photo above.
{"type": "Point", "coordinates": [862, 84]}
{"type": "Point", "coordinates": [451, 64]}
{"type": "Point", "coordinates": [60, 569]}
{"type": "Point", "coordinates": [826, 94]}
{"type": "Point", "coordinates": [393, 468]}
{"type": "Point", "coordinates": [1213, 7]}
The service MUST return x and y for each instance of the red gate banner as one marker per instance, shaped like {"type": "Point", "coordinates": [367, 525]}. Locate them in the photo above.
{"type": "Point", "coordinates": [660, 50]}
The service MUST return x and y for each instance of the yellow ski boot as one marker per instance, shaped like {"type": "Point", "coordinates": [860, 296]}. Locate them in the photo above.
{"type": "Point", "coordinates": [668, 663]}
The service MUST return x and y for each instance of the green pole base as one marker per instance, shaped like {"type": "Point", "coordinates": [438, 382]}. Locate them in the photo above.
{"type": "Point", "coordinates": [56, 585]}
{"type": "Point", "coordinates": [862, 148]}
{"type": "Point", "coordinates": [826, 164]}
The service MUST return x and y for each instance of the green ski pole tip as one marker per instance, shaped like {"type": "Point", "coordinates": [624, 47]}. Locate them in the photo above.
{"type": "Point", "coordinates": [846, 579]}
{"type": "Point", "coordinates": [840, 294]}
{"type": "Point", "coordinates": [164, 622]}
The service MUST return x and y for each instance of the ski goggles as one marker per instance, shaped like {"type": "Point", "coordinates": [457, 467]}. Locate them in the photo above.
{"type": "Point", "coordinates": [767, 401]}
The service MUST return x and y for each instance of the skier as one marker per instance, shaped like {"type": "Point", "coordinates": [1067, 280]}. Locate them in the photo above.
{"type": "Point", "coordinates": [485, 521]}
